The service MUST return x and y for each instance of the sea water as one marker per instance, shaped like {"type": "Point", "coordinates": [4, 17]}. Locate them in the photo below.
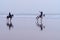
{"type": "Point", "coordinates": [25, 28]}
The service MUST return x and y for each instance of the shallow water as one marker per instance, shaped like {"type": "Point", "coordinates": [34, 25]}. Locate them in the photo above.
{"type": "Point", "coordinates": [25, 28]}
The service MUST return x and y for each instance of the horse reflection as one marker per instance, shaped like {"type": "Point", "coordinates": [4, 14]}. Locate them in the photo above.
{"type": "Point", "coordinates": [10, 25]}
{"type": "Point", "coordinates": [40, 25]}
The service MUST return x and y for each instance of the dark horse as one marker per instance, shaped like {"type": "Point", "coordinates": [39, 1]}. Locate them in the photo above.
{"type": "Point", "coordinates": [10, 16]}
{"type": "Point", "coordinates": [40, 16]}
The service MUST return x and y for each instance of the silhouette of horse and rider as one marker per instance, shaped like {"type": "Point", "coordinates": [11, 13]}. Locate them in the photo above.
{"type": "Point", "coordinates": [10, 16]}
{"type": "Point", "coordinates": [41, 17]}
{"type": "Point", "coordinates": [9, 23]}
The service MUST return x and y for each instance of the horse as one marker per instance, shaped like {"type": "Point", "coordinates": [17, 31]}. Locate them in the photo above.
{"type": "Point", "coordinates": [10, 16]}
{"type": "Point", "coordinates": [40, 16]}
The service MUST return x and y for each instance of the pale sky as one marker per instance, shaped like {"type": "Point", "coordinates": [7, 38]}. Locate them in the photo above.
{"type": "Point", "coordinates": [29, 6]}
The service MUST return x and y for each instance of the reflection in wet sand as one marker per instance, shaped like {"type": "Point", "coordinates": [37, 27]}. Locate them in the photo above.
{"type": "Point", "coordinates": [9, 24]}
{"type": "Point", "coordinates": [40, 25]}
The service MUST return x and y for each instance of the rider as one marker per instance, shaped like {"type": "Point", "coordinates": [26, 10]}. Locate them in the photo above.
{"type": "Point", "coordinates": [41, 14]}
{"type": "Point", "coordinates": [10, 15]}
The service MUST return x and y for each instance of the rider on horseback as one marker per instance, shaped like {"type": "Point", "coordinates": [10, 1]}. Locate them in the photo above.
{"type": "Point", "coordinates": [10, 16]}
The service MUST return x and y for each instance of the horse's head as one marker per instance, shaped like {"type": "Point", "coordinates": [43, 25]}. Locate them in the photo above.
{"type": "Point", "coordinates": [12, 15]}
{"type": "Point", "coordinates": [7, 17]}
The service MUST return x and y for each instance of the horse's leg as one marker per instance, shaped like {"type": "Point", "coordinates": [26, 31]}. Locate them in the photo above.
{"type": "Point", "coordinates": [10, 19]}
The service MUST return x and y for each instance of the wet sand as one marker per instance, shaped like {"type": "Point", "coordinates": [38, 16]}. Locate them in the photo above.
{"type": "Point", "coordinates": [25, 28]}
